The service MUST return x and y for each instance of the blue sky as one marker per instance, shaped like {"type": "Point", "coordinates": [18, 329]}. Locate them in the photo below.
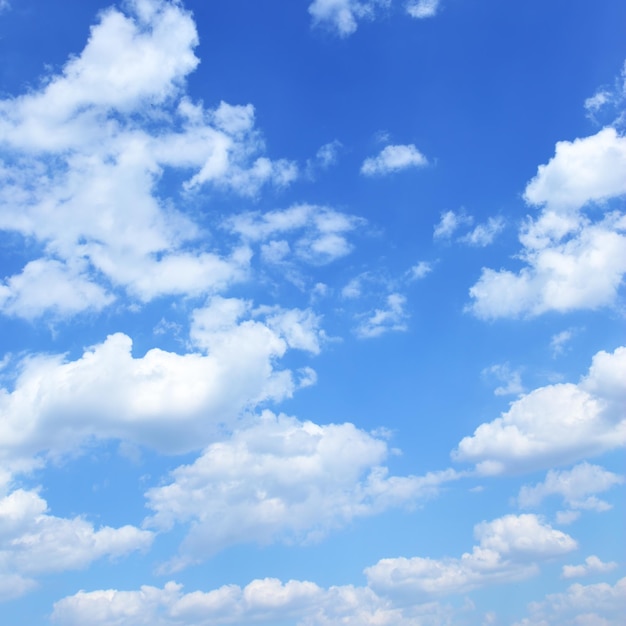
{"type": "Point", "coordinates": [312, 312]}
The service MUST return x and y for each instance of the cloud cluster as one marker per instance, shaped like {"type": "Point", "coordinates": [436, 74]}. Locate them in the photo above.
{"type": "Point", "coordinates": [171, 402]}
{"type": "Point", "coordinates": [592, 565]}
{"type": "Point", "coordinates": [343, 16]}
{"type": "Point", "coordinates": [35, 543]}
{"type": "Point", "coordinates": [577, 487]}
{"type": "Point", "coordinates": [555, 424]}
{"type": "Point", "coordinates": [281, 479]}
{"type": "Point", "coordinates": [600, 604]}
{"type": "Point", "coordinates": [572, 258]}
{"type": "Point", "coordinates": [399, 591]}
{"type": "Point", "coordinates": [85, 153]}
{"type": "Point", "coordinates": [508, 550]}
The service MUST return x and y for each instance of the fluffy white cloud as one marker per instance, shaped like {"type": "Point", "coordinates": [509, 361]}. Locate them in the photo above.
{"type": "Point", "coordinates": [321, 232]}
{"type": "Point", "coordinates": [172, 402]}
{"type": "Point", "coordinates": [571, 260]}
{"type": "Point", "coordinates": [576, 486]}
{"type": "Point", "coordinates": [84, 155]}
{"type": "Point", "coordinates": [558, 342]}
{"type": "Point", "coordinates": [392, 317]}
{"type": "Point", "coordinates": [281, 480]}
{"type": "Point", "coordinates": [262, 601]}
{"type": "Point", "coordinates": [419, 271]}
{"type": "Point", "coordinates": [422, 8]}
{"type": "Point", "coordinates": [555, 424]}
{"type": "Point", "coordinates": [33, 542]}
{"type": "Point", "coordinates": [392, 159]}
{"type": "Point", "coordinates": [592, 565]}
{"type": "Point", "coordinates": [580, 605]}
{"type": "Point", "coordinates": [584, 170]}
{"type": "Point", "coordinates": [508, 549]}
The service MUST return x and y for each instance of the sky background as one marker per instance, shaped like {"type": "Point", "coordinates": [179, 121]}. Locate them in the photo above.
{"type": "Point", "coordinates": [312, 312]}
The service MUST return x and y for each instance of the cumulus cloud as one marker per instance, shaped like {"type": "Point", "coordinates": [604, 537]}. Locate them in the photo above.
{"type": "Point", "coordinates": [555, 424]}
{"type": "Point", "coordinates": [393, 159]}
{"type": "Point", "coordinates": [573, 260]}
{"type": "Point", "coordinates": [577, 487]}
{"type": "Point", "coordinates": [321, 233]}
{"type": "Point", "coordinates": [598, 605]}
{"type": "Point", "coordinates": [592, 565]}
{"type": "Point", "coordinates": [171, 402]}
{"type": "Point", "coordinates": [262, 601]}
{"type": "Point", "coordinates": [559, 341]}
{"type": "Point", "coordinates": [83, 156]}
{"type": "Point", "coordinates": [281, 480]}
{"type": "Point", "coordinates": [34, 542]}
{"type": "Point", "coordinates": [509, 549]}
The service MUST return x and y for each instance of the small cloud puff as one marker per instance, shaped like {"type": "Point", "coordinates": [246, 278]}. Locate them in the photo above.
{"type": "Point", "coordinates": [392, 159]}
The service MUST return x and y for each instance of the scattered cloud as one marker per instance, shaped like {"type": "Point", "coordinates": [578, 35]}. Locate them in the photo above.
{"type": "Point", "coordinates": [393, 159]}
{"type": "Point", "coordinates": [558, 342]}
{"type": "Point", "coordinates": [419, 271]}
{"type": "Point", "coordinates": [592, 565]}
{"type": "Point", "coordinates": [509, 549]}
{"type": "Point", "coordinates": [577, 487]}
{"type": "Point", "coordinates": [571, 261]}
{"type": "Point", "coordinates": [555, 424]}
{"type": "Point", "coordinates": [484, 234]}
{"type": "Point", "coordinates": [399, 592]}
{"type": "Point", "coordinates": [601, 604]}
{"type": "Point", "coordinates": [281, 479]}
{"type": "Point", "coordinates": [95, 140]}
{"type": "Point", "coordinates": [422, 8]}
{"type": "Point", "coordinates": [450, 222]}
{"type": "Point", "coordinates": [382, 320]}
{"type": "Point", "coordinates": [35, 543]}
{"type": "Point", "coordinates": [343, 15]}
{"type": "Point", "coordinates": [511, 379]}
{"type": "Point", "coordinates": [322, 233]}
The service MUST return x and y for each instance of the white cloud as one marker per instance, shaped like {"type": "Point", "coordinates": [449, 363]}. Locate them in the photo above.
{"type": "Point", "coordinates": [281, 480]}
{"type": "Point", "coordinates": [508, 549]}
{"type": "Point", "coordinates": [57, 404]}
{"type": "Point", "coordinates": [392, 159]}
{"type": "Point", "coordinates": [511, 379]}
{"type": "Point", "coordinates": [34, 542]}
{"type": "Point", "coordinates": [321, 232]}
{"type": "Point", "coordinates": [592, 565]}
{"type": "Point", "coordinates": [559, 341]}
{"type": "Point", "coordinates": [584, 170]}
{"type": "Point", "coordinates": [581, 605]}
{"type": "Point", "coordinates": [571, 261]}
{"type": "Point", "coordinates": [87, 151]}
{"type": "Point", "coordinates": [449, 223]}
{"type": "Point", "coordinates": [262, 601]}
{"type": "Point", "coordinates": [422, 8]}
{"type": "Point", "coordinates": [391, 318]}
{"type": "Point", "coordinates": [484, 234]}
{"type": "Point", "coordinates": [555, 424]}
{"type": "Point", "coordinates": [419, 271]}
{"type": "Point", "coordinates": [576, 486]}
{"type": "Point", "coordinates": [50, 285]}
{"type": "Point", "coordinates": [584, 271]}
{"type": "Point", "coordinates": [327, 155]}
{"type": "Point", "coordinates": [343, 15]}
